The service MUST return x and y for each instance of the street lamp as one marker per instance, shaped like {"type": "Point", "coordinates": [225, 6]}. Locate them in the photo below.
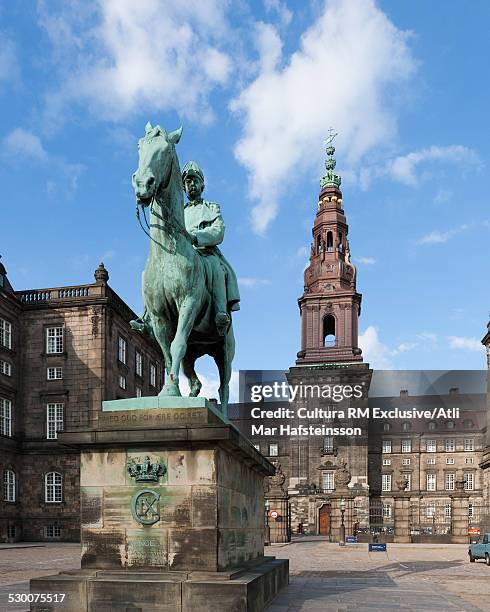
{"type": "Point", "coordinates": [267, 534]}
{"type": "Point", "coordinates": [342, 526]}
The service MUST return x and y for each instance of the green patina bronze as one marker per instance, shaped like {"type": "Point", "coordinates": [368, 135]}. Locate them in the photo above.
{"type": "Point", "coordinates": [330, 179]}
{"type": "Point", "coordinates": [189, 289]}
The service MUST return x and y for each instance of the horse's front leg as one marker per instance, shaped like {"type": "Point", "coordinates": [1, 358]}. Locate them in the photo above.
{"type": "Point", "coordinates": [178, 348]}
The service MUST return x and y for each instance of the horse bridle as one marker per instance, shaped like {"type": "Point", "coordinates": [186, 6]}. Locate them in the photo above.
{"type": "Point", "coordinates": [174, 224]}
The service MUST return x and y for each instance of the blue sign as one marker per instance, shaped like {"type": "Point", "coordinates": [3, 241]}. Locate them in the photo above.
{"type": "Point", "coordinates": [351, 540]}
{"type": "Point", "coordinates": [377, 547]}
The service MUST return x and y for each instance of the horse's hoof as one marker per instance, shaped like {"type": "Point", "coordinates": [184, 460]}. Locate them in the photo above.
{"type": "Point", "coordinates": [170, 390]}
{"type": "Point", "coordinates": [195, 390]}
{"type": "Point", "coordinates": [137, 325]}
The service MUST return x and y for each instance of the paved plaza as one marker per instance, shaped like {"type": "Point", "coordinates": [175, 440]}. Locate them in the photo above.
{"type": "Point", "coordinates": [323, 576]}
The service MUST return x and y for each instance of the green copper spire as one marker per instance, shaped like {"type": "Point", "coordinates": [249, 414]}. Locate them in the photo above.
{"type": "Point", "coordinates": [330, 179]}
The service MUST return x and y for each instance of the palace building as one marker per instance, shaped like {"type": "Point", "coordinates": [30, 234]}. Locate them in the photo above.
{"type": "Point", "coordinates": [63, 350]}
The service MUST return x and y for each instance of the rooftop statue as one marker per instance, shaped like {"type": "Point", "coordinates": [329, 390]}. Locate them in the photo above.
{"type": "Point", "coordinates": [189, 289]}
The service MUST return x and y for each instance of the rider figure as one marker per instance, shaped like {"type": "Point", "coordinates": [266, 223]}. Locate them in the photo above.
{"type": "Point", "coordinates": [205, 225]}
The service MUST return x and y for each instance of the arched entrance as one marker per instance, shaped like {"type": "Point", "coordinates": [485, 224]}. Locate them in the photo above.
{"type": "Point", "coordinates": [324, 523]}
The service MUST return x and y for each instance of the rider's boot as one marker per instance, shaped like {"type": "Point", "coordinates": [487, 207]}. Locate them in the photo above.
{"type": "Point", "coordinates": [222, 321]}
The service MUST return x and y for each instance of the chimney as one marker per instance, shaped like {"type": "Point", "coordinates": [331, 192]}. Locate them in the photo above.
{"type": "Point", "coordinates": [403, 392]}
{"type": "Point", "coordinates": [454, 391]}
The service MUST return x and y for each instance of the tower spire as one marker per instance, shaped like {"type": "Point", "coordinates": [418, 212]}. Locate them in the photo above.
{"type": "Point", "coordinates": [330, 305]}
{"type": "Point", "coordinates": [330, 179]}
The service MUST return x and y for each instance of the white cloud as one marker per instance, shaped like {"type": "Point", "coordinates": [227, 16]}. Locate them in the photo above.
{"type": "Point", "coordinates": [374, 351]}
{"type": "Point", "coordinates": [367, 261]}
{"type": "Point", "coordinates": [22, 143]}
{"type": "Point", "coordinates": [340, 75]}
{"type": "Point", "coordinates": [438, 237]}
{"type": "Point", "coordinates": [21, 146]}
{"type": "Point", "coordinates": [405, 167]}
{"type": "Point", "coordinates": [250, 282]}
{"type": "Point", "coordinates": [275, 6]}
{"type": "Point", "coordinates": [210, 386]}
{"type": "Point", "coordinates": [121, 56]}
{"type": "Point", "coordinates": [467, 344]}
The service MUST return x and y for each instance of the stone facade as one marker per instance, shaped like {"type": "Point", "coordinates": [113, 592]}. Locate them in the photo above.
{"type": "Point", "coordinates": [63, 350]}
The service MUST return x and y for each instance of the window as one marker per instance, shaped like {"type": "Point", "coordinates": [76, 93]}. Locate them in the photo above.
{"type": "Point", "coordinates": [448, 511]}
{"type": "Point", "coordinates": [386, 426]}
{"type": "Point", "coordinates": [431, 482]}
{"type": "Point", "coordinates": [54, 373]}
{"type": "Point", "coordinates": [450, 460]}
{"type": "Point", "coordinates": [470, 510]}
{"type": "Point", "coordinates": [122, 350]}
{"type": "Point", "coordinates": [5, 333]}
{"type": "Point", "coordinates": [122, 381]}
{"type": "Point", "coordinates": [5, 417]}
{"type": "Point", "coordinates": [328, 481]}
{"type": "Point", "coordinates": [468, 424]}
{"type": "Point", "coordinates": [53, 531]}
{"type": "Point", "coordinates": [469, 481]}
{"type": "Point", "coordinates": [406, 426]}
{"type": "Point", "coordinates": [405, 461]}
{"type": "Point", "coordinates": [9, 486]}
{"type": "Point", "coordinates": [139, 364]}
{"type": "Point", "coordinates": [386, 446]}
{"type": "Point", "coordinates": [408, 479]}
{"type": "Point", "coordinates": [386, 482]}
{"type": "Point", "coordinates": [53, 487]}
{"type": "Point", "coordinates": [386, 461]}
{"type": "Point", "coordinates": [153, 375]}
{"type": "Point", "coordinates": [431, 461]}
{"type": "Point", "coordinates": [430, 446]}
{"type": "Point", "coordinates": [11, 531]}
{"type": "Point", "coordinates": [273, 450]}
{"type": "Point", "coordinates": [139, 393]}
{"type": "Point", "coordinates": [54, 420]}
{"type": "Point", "coordinates": [450, 424]}
{"type": "Point", "coordinates": [430, 512]}
{"type": "Point", "coordinates": [387, 511]}
{"type": "Point", "coordinates": [469, 444]}
{"type": "Point", "coordinates": [431, 426]}
{"type": "Point", "coordinates": [469, 460]}
{"type": "Point", "coordinates": [328, 444]}
{"type": "Point", "coordinates": [449, 482]}
{"type": "Point", "coordinates": [450, 445]}
{"type": "Point", "coordinates": [406, 446]}
{"type": "Point", "coordinates": [54, 340]}
{"type": "Point", "coordinates": [5, 368]}
{"type": "Point", "coordinates": [329, 331]}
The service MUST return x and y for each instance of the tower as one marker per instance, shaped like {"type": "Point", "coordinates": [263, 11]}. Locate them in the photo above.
{"type": "Point", "coordinates": [329, 469]}
{"type": "Point", "coordinates": [330, 305]}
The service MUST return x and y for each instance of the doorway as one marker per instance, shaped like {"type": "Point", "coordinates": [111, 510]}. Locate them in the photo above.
{"type": "Point", "coordinates": [324, 523]}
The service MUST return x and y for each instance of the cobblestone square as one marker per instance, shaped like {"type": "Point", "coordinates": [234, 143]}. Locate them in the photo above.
{"type": "Point", "coordinates": [324, 576]}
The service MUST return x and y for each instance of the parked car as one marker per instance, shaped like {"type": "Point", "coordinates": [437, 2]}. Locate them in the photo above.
{"type": "Point", "coordinates": [480, 549]}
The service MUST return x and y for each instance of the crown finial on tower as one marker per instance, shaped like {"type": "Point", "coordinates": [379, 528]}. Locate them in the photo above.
{"type": "Point", "coordinates": [330, 179]}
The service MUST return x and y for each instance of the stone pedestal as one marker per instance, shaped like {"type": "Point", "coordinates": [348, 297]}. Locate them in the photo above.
{"type": "Point", "coordinates": [459, 527]}
{"type": "Point", "coordinates": [172, 513]}
{"type": "Point", "coordinates": [402, 517]}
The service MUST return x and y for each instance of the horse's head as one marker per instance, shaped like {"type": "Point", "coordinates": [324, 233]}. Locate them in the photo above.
{"type": "Point", "coordinates": [156, 152]}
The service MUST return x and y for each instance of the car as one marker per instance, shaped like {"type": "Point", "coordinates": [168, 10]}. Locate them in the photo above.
{"type": "Point", "coordinates": [480, 549]}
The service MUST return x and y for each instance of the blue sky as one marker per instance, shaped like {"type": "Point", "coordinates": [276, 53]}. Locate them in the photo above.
{"type": "Point", "coordinates": [256, 87]}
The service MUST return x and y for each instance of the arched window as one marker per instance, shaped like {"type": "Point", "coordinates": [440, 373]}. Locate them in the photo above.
{"type": "Point", "coordinates": [53, 487]}
{"type": "Point", "coordinates": [329, 241]}
{"type": "Point", "coordinates": [341, 245]}
{"type": "Point", "coordinates": [9, 486]}
{"type": "Point", "coordinates": [329, 330]}
{"type": "Point", "coordinates": [318, 244]}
